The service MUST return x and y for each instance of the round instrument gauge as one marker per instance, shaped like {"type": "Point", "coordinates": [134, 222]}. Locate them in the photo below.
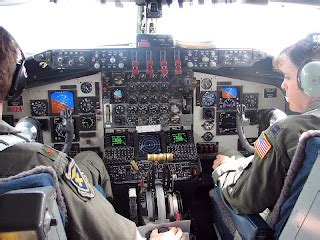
{"type": "Point", "coordinates": [154, 98]}
{"type": "Point", "coordinates": [143, 98]}
{"type": "Point", "coordinates": [154, 120]}
{"type": "Point", "coordinates": [164, 109]}
{"type": "Point", "coordinates": [208, 99]}
{"type": "Point", "coordinates": [87, 105]}
{"type": "Point", "coordinates": [143, 87]}
{"type": "Point", "coordinates": [133, 120]}
{"type": "Point", "coordinates": [206, 83]}
{"type": "Point", "coordinates": [154, 108]}
{"type": "Point", "coordinates": [118, 79]}
{"type": "Point", "coordinates": [132, 109]}
{"type": "Point", "coordinates": [174, 108]}
{"type": "Point", "coordinates": [119, 109]}
{"type": "Point", "coordinates": [39, 107]}
{"type": "Point", "coordinates": [86, 87]}
{"type": "Point", "coordinates": [132, 99]}
{"type": "Point", "coordinates": [88, 123]}
{"type": "Point", "coordinates": [251, 100]}
{"type": "Point", "coordinates": [143, 109]}
{"type": "Point", "coordinates": [132, 87]}
{"type": "Point", "coordinates": [164, 98]}
{"type": "Point", "coordinates": [164, 87]}
{"type": "Point", "coordinates": [208, 125]}
{"type": "Point", "coordinates": [117, 95]}
{"type": "Point", "coordinates": [164, 119]}
{"type": "Point", "coordinates": [207, 136]}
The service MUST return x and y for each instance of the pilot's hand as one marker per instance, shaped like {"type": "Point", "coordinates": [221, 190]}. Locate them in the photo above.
{"type": "Point", "coordinates": [219, 159]}
{"type": "Point", "coordinates": [174, 233]}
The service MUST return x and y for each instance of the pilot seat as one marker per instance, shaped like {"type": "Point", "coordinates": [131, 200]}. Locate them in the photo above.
{"type": "Point", "coordinates": [296, 214]}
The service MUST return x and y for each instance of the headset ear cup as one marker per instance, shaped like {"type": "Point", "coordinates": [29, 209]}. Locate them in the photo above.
{"type": "Point", "coordinates": [19, 81]}
{"type": "Point", "coordinates": [309, 78]}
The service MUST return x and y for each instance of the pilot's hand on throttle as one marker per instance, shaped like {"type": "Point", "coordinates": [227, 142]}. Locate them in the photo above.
{"type": "Point", "coordinates": [174, 233]}
{"type": "Point", "coordinates": [219, 159]}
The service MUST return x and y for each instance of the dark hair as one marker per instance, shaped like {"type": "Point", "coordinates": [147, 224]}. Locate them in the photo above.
{"type": "Point", "coordinates": [9, 53]}
{"type": "Point", "coordinates": [302, 51]}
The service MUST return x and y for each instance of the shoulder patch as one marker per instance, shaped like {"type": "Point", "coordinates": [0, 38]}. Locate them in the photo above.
{"type": "Point", "coordinates": [79, 180]}
{"type": "Point", "coordinates": [49, 152]}
{"type": "Point", "coordinates": [275, 128]}
{"type": "Point", "coordinates": [262, 145]}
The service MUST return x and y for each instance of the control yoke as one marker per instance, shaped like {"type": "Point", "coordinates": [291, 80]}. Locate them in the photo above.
{"type": "Point", "coordinates": [243, 121]}
{"type": "Point", "coordinates": [66, 126]}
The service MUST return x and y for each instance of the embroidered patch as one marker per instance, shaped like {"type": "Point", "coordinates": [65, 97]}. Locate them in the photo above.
{"type": "Point", "coordinates": [49, 152]}
{"type": "Point", "coordinates": [79, 180]}
{"type": "Point", "coordinates": [262, 145]}
{"type": "Point", "coordinates": [275, 128]}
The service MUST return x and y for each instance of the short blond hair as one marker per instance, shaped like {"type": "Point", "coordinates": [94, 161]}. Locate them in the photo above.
{"type": "Point", "coordinates": [8, 59]}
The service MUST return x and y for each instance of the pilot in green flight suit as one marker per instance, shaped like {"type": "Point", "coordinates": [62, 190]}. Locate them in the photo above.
{"type": "Point", "coordinates": [89, 214]}
{"type": "Point", "coordinates": [252, 184]}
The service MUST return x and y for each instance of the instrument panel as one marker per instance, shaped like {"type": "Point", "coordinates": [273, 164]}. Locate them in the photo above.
{"type": "Point", "coordinates": [133, 102]}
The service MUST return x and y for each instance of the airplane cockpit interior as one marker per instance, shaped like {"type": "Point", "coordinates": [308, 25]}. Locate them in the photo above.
{"type": "Point", "coordinates": [157, 89]}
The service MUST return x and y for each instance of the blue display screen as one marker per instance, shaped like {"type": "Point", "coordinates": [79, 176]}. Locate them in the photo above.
{"type": "Point", "coordinates": [229, 92]}
{"type": "Point", "coordinates": [60, 100]}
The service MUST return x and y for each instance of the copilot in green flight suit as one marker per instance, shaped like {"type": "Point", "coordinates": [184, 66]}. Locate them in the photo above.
{"type": "Point", "coordinates": [252, 184]}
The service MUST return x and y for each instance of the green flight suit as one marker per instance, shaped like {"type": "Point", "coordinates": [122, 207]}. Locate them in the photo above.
{"type": "Point", "coordinates": [93, 167]}
{"type": "Point", "coordinates": [252, 184]}
{"type": "Point", "coordinates": [88, 218]}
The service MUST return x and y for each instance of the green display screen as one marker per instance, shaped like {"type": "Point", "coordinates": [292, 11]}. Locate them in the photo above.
{"type": "Point", "coordinates": [118, 140]}
{"type": "Point", "coordinates": [180, 137]}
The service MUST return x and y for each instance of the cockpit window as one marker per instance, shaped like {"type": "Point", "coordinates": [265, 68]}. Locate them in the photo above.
{"type": "Point", "coordinates": [40, 25]}
{"type": "Point", "coordinates": [269, 28]}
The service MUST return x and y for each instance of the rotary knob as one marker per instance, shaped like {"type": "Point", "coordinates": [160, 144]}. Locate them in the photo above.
{"type": "Point", "coordinates": [81, 59]}
{"type": "Point", "coordinates": [112, 60]}
{"type": "Point", "coordinates": [96, 65]}
{"type": "Point", "coordinates": [205, 59]}
{"type": "Point", "coordinates": [121, 65]}
{"type": "Point", "coordinates": [70, 62]}
{"type": "Point", "coordinates": [189, 64]}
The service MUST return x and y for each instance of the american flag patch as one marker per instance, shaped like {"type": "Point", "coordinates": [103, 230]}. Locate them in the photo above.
{"type": "Point", "coordinates": [262, 145]}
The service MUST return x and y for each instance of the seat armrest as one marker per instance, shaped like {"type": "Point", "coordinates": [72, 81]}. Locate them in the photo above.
{"type": "Point", "coordinates": [31, 211]}
{"type": "Point", "coordinates": [248, 226]}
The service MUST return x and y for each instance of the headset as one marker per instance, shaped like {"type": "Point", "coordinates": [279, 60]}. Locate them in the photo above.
{"type": "Point", "coordinates": [309, 77]}
{"type": "Point", "coordinates": [19, 80]}
{"type": "Point", "coordinates": [309, 71]}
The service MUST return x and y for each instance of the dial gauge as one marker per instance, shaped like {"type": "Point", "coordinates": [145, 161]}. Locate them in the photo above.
{"type": "Point", "coordinates": [251, 100]}
{"type": "Point", "coordinates": [87, 105]}
{"type": "Point", "coordinates": [39, 107]}
{"type": "Point", "coordinates": [118, 79]}
{"type": "Point", "coordinates": [208, 99]}
{"type": "Point", "coordinates": [206, 83]}
{"type": "Point", "coordinates": [86, 87]}
{"type": "Point", "coordinates": [88, 123]}
{"type": "Point", "coordinates": [208, 125]}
